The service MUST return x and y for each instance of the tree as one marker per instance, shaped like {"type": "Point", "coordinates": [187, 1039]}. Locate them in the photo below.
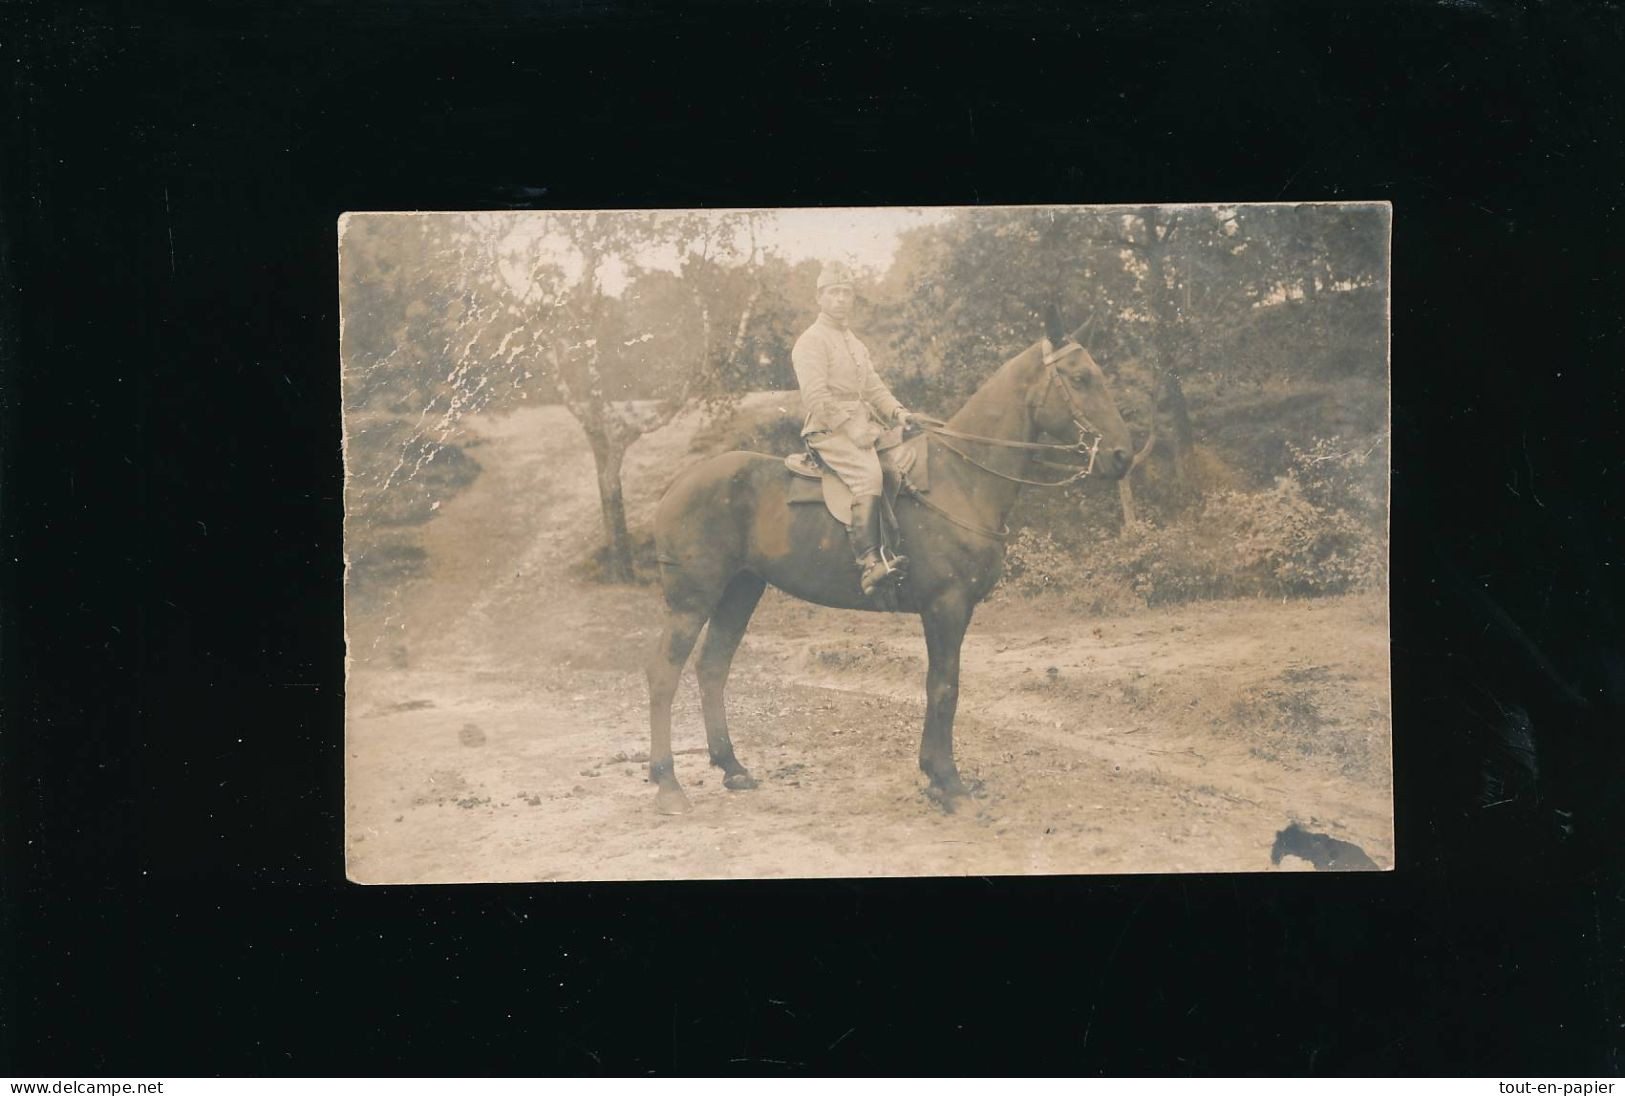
{"type": "Point", "coordinates": [407, 285]}
{"type": "Point", "coordinates": [623, 367]}
{"type": "Point", "coordinates": [624, 317]}
{"type": "Point", "coordinates": [1171, 294]}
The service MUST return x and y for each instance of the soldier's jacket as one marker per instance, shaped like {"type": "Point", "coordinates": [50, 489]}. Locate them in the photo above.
{"type": "Point", "coordinates": [839, 387]}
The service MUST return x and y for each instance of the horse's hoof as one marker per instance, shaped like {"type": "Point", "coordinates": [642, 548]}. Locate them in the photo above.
{"type": "Point", "coordinates": [949, 799]}
{"type": "Point", "coordinates": [740, 781]}
{"type": "Point", "coordinates": [672, 801]}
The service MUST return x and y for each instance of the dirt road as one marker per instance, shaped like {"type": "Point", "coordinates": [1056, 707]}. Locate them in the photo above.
{"type": "Point", "coordinates": [497, 717]}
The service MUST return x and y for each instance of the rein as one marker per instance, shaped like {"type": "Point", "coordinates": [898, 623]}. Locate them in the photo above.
{"type": "Point", "coordinates": [1067, 482]}
{"type": "Point", "coordinates": [957, 520]}
{"type": "Point", "coordinates": [1082, 448]}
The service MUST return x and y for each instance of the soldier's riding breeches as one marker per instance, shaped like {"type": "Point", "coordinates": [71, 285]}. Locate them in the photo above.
{"type": "Point", "coordinates": [857, 465]}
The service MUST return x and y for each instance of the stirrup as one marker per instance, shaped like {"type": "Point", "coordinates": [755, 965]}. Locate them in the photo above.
{"type": "Point", "coordinates": [885, 566]}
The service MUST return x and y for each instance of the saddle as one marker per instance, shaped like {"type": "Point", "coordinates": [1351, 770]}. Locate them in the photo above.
{"type": "Point", "coordinates": [814, 481]}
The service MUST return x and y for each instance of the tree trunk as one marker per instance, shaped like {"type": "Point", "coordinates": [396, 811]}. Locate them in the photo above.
{"type": "Point", "coordinates": [1125, 486]}
{"type": "Point", "coordinates": [608, 455]}
{"type": "Point", "coordinates": [1179, 415]}
{"type": "Point", "coordinates": [1125, 495]}
{"type": "Point", "coordinates": [1171, 344]}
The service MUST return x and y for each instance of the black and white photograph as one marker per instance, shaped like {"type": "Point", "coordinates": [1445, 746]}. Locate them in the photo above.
{"type": "Point", "coordinates": [749, 541]}
{"type": "Point", "coordinates": [847, 542]}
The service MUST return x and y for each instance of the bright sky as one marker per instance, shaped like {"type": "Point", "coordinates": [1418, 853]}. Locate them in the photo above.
{"type": "Point", "coordinates": [861, 237]}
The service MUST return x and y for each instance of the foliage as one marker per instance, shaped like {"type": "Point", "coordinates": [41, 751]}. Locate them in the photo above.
{"type": "Point", "coordinates": [1223, 326]}
{"type": "Point", "coordinates": [449, 315]}
{"type": "Point", "coordinates": [1317, 530]}
{"type": "Point", "coordinates": [760, 429]}
{"type": "Point", "coordinates": [408, 287]}
{"type": "Point", "coordinates": [1285, 545]}
{"type": "Point", "coordinates": [1228, 295]}
{"type": "Point", "coordinates": [1336, 475]}
{"type": "Point", "coordinates": [398, 477]}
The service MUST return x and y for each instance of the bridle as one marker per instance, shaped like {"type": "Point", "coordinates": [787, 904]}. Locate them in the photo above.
{"type": "Point", "coordinates": [1079, 419]}
{"type": "Point", "coordinates": [1082, 448]}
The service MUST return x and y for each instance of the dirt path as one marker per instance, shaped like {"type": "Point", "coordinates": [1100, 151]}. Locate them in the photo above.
{"type": "Point", "coordinates": [497, 721]}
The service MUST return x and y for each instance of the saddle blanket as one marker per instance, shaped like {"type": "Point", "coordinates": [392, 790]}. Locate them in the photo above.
{"type": "Point", "coordinates": [812, 482]}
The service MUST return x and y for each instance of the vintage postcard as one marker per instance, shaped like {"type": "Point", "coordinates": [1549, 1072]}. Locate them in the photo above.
{"type": "Point", "coordinates": [694, 544]}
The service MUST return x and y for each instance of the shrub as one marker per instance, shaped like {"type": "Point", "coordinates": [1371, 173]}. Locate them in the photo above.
{"type": "Point", "coordinates": [1035, 561]}
{"type": "Point", "coordinates": [398, 475]}
{"type": "Point", "coordinates": [645, 565]}
{"type": "Point", "coordinates": [1336, 476]}
{"type": "Point", "coordinates": [397, 478]}
{"type": "Point", "coordinates": [762, 428]}
{"type": "Point", "coordinates": [1290, 546]}
{"type": "Point", "coordinates": [1107, 573]}
{"type": "Point", "coordinates": [1318, 530]}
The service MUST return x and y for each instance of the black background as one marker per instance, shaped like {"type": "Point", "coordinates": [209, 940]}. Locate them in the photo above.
{"type": "Point", "coordinates": [172, 643]}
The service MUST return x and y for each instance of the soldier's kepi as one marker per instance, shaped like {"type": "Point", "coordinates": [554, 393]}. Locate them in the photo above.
{"type": "Point", "coordinates": [848, 410]}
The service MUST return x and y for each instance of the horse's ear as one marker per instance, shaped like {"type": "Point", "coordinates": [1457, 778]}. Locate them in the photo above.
{"type": "Point", "coordinates": [1052, 325]}
{"type": "Point", "coordinates": [1081, 335]}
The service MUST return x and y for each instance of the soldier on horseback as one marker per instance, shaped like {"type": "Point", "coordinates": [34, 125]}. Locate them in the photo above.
{"type": "Point", "coordinates": [849, 412]}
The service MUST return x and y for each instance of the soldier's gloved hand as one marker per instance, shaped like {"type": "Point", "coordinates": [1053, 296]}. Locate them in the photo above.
{"type": "Point", "coordinates": [905, 419]}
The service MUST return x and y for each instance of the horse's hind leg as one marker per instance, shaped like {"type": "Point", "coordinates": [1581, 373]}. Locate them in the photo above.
{"type": "Point", "coordinates": [665, 667]}
{"type": "Point", "coordinates": [728, 623]}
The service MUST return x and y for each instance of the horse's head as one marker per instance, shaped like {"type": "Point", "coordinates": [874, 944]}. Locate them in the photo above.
{"type": "Point", "coordinates": [1071, 401]}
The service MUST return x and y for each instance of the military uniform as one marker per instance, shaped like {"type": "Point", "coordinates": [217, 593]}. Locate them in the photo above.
{"type": "Point", "coordinates": [848, 411]}
{"type": "Point", "coordinates": [847, 407]}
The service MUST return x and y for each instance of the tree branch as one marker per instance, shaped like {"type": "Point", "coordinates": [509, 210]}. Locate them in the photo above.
{"type": "Point", "coordinates": [583, 410]}
{"type": "Point", "coordinates": [1150, 440]}
{"type": "Point", "coordinates": [744, 323]}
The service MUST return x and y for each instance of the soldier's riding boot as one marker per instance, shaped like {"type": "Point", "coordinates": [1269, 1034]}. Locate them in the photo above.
{"type": "Point", "coordinates": [879, 567]}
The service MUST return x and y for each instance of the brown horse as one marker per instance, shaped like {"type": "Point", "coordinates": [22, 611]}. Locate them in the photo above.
{"type": "Point", "coordinates": [725, 529]}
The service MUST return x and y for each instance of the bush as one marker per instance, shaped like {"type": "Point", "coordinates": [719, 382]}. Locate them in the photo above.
{"type": "Point", "coordinates": [378, 563]}
{"type": "Point", "coordinates": [645, 564]}
{"type": "Point", "coordinates": [397, 478]}
{"type": "Point", "coordinates": [398, 475]}
{"type": "Point", "coordinates": [1318, 530]}
{"type": "Point", "coordinates": [762, 428]}
{"type": "Point", "coordinates": [1338, 476]}
{"type": "Point", "coordinates": [1290, 546]}
{"type": "Point", "coordinates": [1107, 573]}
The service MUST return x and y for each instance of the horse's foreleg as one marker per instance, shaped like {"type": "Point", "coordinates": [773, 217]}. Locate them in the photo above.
{"type": "Point", "coordinates": [727, 628]}
{"type": "Point", "coordinates": [945, 622]}
{"type": "Point", "coordinates": [665, 667]}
